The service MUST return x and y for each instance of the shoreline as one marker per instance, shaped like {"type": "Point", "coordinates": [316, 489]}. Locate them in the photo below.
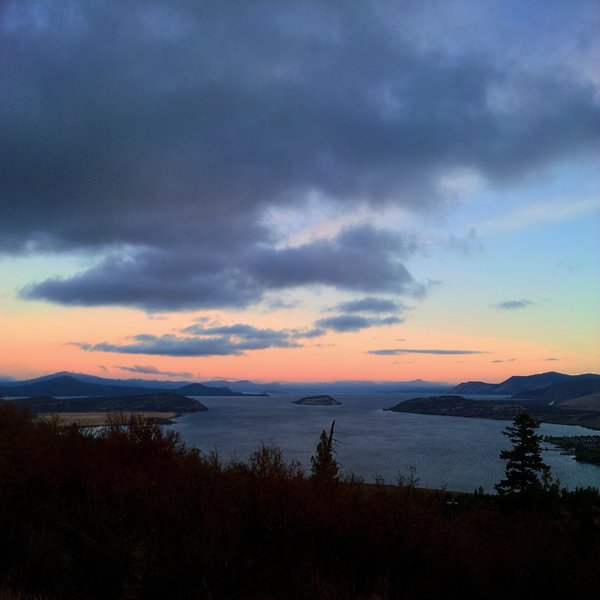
{"type": "Point", "coordinates": [101, 419]}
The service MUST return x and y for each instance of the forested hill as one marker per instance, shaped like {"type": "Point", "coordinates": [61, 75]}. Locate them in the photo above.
{"type": "Point", "coordinates": [67, 385]}
{"type": "Point", "coordinates": [457, 406]}
{"type": "Point", "coordinates": [519, 384]}
{"type": "Point", "coordinates": [155, 402]}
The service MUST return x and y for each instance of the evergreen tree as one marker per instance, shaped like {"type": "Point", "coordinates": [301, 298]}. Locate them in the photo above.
{"type": "Point", "coordinates": [524, 462]}
{"type": "Point", "coordinates": [323, 464]}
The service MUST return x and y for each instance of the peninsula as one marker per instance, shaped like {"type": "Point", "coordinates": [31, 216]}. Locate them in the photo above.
{"type": "Point", "coordinates": [458, 406]}
{"type": "Point", "coordinates": [161, 407]}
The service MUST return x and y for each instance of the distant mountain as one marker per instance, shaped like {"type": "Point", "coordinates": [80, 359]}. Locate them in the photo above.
{"type": "Point", "coordinates": [583, 385]}
{"type": "Point", "coordinates": [66, 385]}
{"type": "Point", "coordinates": [524, 383]}
{"type": "Point", "coordinates": [365, 387]}
{"type": "Point", "coordinates": [129, 382]}
{"type": "Point", "coordinates": [517, 384]}
{"type": "Point", "coordinates": [248, 387]}
{"type": "Point", "coordinates": [198, 389]}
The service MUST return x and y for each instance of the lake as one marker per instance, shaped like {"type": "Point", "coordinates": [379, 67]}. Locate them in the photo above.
{"type": "Point", "coordinates": [454, 452]}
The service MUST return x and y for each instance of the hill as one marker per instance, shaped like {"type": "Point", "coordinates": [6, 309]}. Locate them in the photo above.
{"type": "Point", "coordinates": [161, 402]}
{"type": "Point", "coordinates": [68, 385]}
{"type": "Point", "coordinates": [518, 384]}
{"type": "Point", "coordinates": [457, 406]}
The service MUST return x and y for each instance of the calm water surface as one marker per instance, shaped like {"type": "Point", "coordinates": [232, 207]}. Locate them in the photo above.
{"type": "Point", "coordinates": [456, 452]}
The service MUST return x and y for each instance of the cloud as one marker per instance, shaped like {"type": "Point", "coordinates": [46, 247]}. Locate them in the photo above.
{"type": "Point", "coordinates": [371, 304]}
{"type": "Point", "coordinates": [345, 323]}
{"type": "Point", "coordinates": [505, 360]}
{"type": "Point", "coordinates": [358, 258]}
{"type": "Point", "coordinates": [514, 304]}
{"type": "Point", "coordinates": [552, 359]}
{"type": "Point", "coordinates": [161, 152]}
{"type": "Point", "coordinates": [398, 351]}
{"type": "Point", "coordinates": [199, 340]}
{"type": "Point", "coordinates": [150, 370]}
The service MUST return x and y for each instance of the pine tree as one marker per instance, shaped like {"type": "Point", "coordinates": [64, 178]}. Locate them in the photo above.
{"type": "Point", "coordinates": [324, 467]}
{"type": "Point", "coordinates": [524, 461]}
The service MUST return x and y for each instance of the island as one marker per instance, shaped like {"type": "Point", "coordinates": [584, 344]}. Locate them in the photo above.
{"type": "Point", "coordinates": [458, 406]}
{"type": "Point", "coordinates": [321, 400]}
{"type": "Point", "coordinates": [160, 407]}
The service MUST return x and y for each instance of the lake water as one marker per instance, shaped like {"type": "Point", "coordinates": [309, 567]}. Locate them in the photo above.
{"type": "Point", "coordinates": [460, 453]}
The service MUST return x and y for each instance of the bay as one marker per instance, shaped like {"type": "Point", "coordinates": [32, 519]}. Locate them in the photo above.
{"type": "Point", "coordinates": [458, 453]}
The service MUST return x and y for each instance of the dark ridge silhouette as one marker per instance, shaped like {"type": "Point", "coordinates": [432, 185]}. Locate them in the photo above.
{"type": "Point", "coordinates": [518, 384]}
{"type": "Point", "coordinates": [157, 402]}
{"type": "Point", "coordinates": [457, 406]}
{"type": "Point", "coordinates": [67, 385]}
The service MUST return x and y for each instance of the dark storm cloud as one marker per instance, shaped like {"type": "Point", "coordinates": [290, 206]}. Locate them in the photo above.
{"type": "Point", "coordinates": [514, 304]}
{"type": "Point", "coordinates": [360, 258]}
{"type": "Point", "coordinates": [397, 351]}
{"type": "Point", "coordinates": [344, 323]}
{"type": "Point", "coordinates": [160, 132]}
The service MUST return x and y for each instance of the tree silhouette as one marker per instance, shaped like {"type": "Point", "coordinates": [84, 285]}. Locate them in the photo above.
{"type": "Point", "coordinates": [524, 461]}
{"type": "Point", "coordinates": [324, 467]}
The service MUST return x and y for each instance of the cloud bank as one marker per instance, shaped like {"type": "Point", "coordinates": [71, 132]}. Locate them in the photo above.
{"type": "Point", "coordinates": [157, 135]}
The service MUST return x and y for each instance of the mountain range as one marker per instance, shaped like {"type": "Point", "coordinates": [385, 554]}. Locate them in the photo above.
{"type": "Point", "coordinates": [548, 387]}
{"type": "Point", "coordinates": [66, 383]}
{"type": "Point", "coordinates": [73, 384]}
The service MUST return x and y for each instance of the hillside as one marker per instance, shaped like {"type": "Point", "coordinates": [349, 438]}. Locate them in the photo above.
{"type": "Point", "coordinates": [590, 402]}
{"type": "Point", "coordinates": [559, 393]}
{"type": "Point", "coordinates": [68, 385]}
{"type": "Point", "coordinates": [519, 384]}
{"type": "Point", "coordinates": [156, 402]}
{"type": "Point", "coordinates": [457, 406]}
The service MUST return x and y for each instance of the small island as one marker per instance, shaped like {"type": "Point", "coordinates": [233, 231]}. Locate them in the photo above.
{"type": "Point", "coordinates": [321, 400]}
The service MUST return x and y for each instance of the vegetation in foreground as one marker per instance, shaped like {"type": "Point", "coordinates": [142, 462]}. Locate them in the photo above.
{"type": "Point", "coordinates": [133, 513]}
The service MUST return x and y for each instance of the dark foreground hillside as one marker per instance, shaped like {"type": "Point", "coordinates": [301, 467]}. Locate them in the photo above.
{"type": "Point", "coordinates": [132, 513]}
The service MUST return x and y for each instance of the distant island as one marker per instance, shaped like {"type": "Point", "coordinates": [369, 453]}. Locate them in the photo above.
{"type": "Point", "coordinates": [458, 406]}
{"type": "Point", "coordinates": [321, 400]}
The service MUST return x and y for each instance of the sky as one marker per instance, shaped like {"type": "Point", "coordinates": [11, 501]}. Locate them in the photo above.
{"type": "Point", "coordinates": [300, 191]}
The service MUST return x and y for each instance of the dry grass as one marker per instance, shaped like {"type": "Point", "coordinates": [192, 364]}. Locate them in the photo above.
{"type": "Point", "coordinates": [93, 419]}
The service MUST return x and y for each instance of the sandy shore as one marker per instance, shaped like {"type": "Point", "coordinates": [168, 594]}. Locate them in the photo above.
{"type": "Point", "coordinates": [93, 419]}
